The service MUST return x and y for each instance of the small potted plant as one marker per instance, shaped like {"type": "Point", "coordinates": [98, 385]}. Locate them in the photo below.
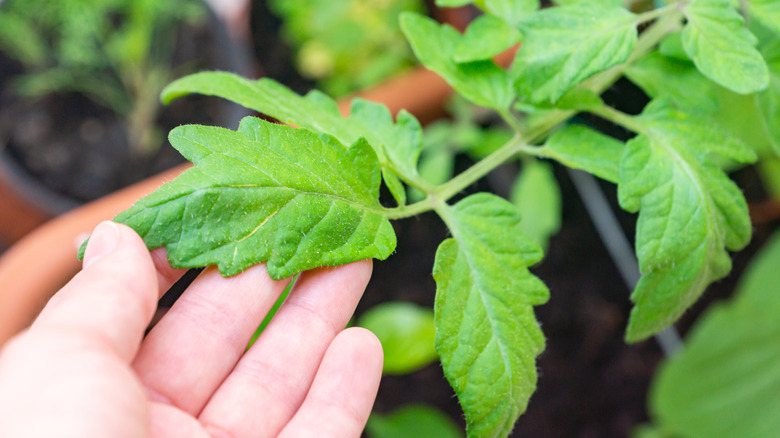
{"type": "Point", "coordinates": [80, 88]}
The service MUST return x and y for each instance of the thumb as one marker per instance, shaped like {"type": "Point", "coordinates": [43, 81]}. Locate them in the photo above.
{"type": "Point", "coordinates": [114, 296]}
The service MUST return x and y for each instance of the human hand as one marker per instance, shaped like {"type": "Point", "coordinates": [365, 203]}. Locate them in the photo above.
{"type": "Point", "coordinates": [84, 368]}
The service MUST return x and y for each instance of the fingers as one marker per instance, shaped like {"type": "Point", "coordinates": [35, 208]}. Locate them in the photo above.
{"type": "Point", "coordinates": [269, 383]}
{"type": "Point", "coordinates": [340, 399]}
{"type": "Point", "coordinates": [112, 299]}
{"type": "Point", "coordinates": [191, 351]}
{"type": "Point", "coordinates": [166, 275]}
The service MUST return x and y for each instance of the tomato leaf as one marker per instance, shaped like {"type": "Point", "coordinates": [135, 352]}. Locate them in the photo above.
{"type": "Point", "coordinates": [579, 147]}
{"type": "Point", "coordinates": [565, 45]}
{"type": "Point", "coordinates": [399, 143]}
{"type": "Point", "coordinates": [266, 193]}
{"type": "Point", "coordinates": [722, 48]}
{"type": "Point", "coordinates": [725, 382]}
{"type": "Point", "coordinates": [690, 212]}
{"type": "Point", "coordinates": [485, 37]}
{"type": "Point", "coordinates": [487, 335]}
{"type": "Point", "coordinates": [482, 82]}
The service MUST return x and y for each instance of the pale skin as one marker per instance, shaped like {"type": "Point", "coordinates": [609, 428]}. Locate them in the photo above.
{"type": "Point", "coordinates": [85, 369]}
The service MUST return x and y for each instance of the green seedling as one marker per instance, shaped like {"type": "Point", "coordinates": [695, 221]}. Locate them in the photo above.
{"type": "Point", "coordinates": [118, 53]}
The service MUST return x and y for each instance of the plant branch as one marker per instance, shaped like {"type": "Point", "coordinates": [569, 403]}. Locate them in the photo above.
{"type": "Point", "coordinates": [670, 21]}
{"type": "Point", "coordinates": [522, 142]}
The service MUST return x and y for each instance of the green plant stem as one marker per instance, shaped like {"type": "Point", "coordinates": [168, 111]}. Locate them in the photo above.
{"type": "Point", "coordinates": [670, 20]}
{"type": "Point", "coordinates": [655, 13]}
{"type": "Point", "coordinates": [620, 118]}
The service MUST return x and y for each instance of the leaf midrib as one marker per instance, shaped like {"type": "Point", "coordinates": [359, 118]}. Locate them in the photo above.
{"type": "Point", "coordinates": [693, 176]}
{"type": "Point", "coordinates": [452, 223]}
{"type": "Point", "coordinates": [379, 211]}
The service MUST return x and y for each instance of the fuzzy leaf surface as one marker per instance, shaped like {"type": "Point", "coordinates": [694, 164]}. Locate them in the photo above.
{"type": "Point", "coordinates": [579, 147]}
{"type": "Point", "coordinates": [690, 213]}
{"type": "Point", "coordinates": [399, 142]}
{"type": "Point", "coordinates": [482, 82]}
{"type": "Point", "coordinates": [722, 48]}
{"type": "Point", "coordinates": [565, 45]}
{"type": "Point", "coordinates": [726, 382]}
{"type": "Point", "coordinates": [266, 193]}
{"type": "Point", "coordinates": [487, 335]}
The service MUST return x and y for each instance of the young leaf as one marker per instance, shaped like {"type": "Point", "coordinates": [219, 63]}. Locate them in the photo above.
{"type": "Point", "coordinates": [537, 197]}
{"type": "Point", "coordinates": [608, 3]}
{"type": "Point", "coordinates": [754, 118]}
{"type": "Point", "coordinates": [579, 147]}
{"type": "Point", "coordinates": [565, 45]}
{"type": "Point", "coordinates": [482, 82]}
{"type": "Point", "coordinates": [485, 37]}
{"type": "Point", "coordinates": [267, 193]}
{"type": "Point", "coordinates": [412, 421]}
{"type": "Point", "coordinates": [407, 334]}
{"type": "Point", "coordinates": [725, 381]}
{"type": "Point", "coordinates": [675, 80]}
{"type": "Point", "coordinates": [690, 213]}
{"type": "Point", "coordinates": [722, 48]}
{"type": "Point", "coordinates": [400, 142]}
{"type": "Point", "coordinates": [487, 335]}
{"type": "Point", "coordinates": [767, 12]}
{"type": "Point", "coordinates": [511, 11]}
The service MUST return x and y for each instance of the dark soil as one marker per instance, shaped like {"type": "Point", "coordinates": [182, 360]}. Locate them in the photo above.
{"type": "Point", "coordinates": [80, 150]}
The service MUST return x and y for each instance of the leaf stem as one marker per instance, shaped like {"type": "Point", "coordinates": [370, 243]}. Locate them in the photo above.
{"type": "Point", "coordinates": [619, 118]}
{"type": "Point", "coordinates": [429, 203]}
{"type": "Point", "coordinates": [655, 13]}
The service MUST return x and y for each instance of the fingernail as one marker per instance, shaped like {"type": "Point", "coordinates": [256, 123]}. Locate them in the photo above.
{"type": "Point", "coordinates": [103, 241]}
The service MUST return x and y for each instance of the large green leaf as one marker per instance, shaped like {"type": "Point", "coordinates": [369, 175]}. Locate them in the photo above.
{"type": "Point", "coordinates": [726, 382]}
{"type": "Point", "coordinates": [722, 48]}
{"type": "Point", "coordinates": [267, 193]}
{"type": "Point", "coordinates": [565, 45]}
{"type": "Point", "coordinates": [579, 147]}
{"type": "Point", "coordinates": [399, 143]}
{"type": "Point", "coordinates": [482, 82]}
{"type": "Point", "coordinates": [487, 335]}
{"type": "Point", "coordinates": [690, 213]}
